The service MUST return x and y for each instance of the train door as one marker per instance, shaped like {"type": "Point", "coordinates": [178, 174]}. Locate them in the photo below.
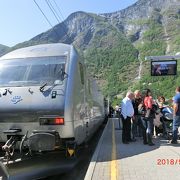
{"type": "Point", "coordinates": [85, 120]}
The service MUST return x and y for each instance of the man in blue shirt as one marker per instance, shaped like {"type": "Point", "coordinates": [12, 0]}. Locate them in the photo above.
{"type": "Point", "coordinates": [176, 115]}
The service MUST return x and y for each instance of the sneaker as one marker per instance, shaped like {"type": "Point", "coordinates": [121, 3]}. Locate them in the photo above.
{"type": "Point", "coordinates": [155, 136]}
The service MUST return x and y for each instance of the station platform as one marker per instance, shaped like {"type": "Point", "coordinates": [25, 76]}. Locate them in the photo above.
{"type": "Point", "coordinates": [113, 160]}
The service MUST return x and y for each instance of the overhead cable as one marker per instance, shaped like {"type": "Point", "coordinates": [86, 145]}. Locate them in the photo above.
{"type": "Point", "coordinates": [46, 17]}
{"type": "Point", "coordinates": [52, 10]}
{"type": "Point", "coordinates": [56, 14]}
{"type": "Point", "coordinates": [57, 7]}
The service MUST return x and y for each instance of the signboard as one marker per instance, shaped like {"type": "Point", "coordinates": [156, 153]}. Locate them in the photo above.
{"type": "Point", "coordinates": [163, 68]}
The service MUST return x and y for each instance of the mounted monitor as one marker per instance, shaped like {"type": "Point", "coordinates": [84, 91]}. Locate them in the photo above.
{"type": "Point", "coordinates": [163, 68]}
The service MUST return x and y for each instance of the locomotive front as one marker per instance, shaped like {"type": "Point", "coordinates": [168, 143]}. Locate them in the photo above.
{"type": "Point", "coordinates": [32, 100]}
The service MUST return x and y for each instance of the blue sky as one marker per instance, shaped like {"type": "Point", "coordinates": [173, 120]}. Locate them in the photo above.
{"type": "Point", "coordinates": [21, 19]}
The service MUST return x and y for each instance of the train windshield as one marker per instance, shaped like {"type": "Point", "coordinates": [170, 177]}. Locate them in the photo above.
{"type": "Point", "coordinates": [32, 71]}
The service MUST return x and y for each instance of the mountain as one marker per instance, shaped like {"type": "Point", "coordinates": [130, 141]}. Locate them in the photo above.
{"type": "Point", "coordinates": [147, 20]}
{"type": "Point", "coordinates": [153, 27]}
{"type": "Point", "coordinates": [114, 44]}
{"type": "Point", "coordinates": [3, 49]}
{"type": "Point", "coordinates": [106, 50]}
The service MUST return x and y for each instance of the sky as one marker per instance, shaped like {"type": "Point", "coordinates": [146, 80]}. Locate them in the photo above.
{"type": "Point", "coordinates": [21, 20]}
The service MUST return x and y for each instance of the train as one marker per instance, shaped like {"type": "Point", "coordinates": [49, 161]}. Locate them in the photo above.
{"type": "Point", "coordinates": [48, 101]}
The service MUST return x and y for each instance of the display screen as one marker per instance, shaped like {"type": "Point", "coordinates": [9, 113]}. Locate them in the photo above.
{"type": "Point", "coordinates": [163, 68]}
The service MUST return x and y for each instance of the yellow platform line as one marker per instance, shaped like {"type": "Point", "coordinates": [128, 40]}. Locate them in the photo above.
{"type": "Point", "coordinates": [114, 172]}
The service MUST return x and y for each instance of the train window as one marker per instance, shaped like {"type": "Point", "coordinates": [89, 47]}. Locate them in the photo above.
{"type": "Point", "coordinates": [46, 72]}
{"type": "Point", "coordinates": [11, 73]}
{"type": "Point", "coordinates": [30, 71]}
{"type": "Point", "coordinates": [81, 68]}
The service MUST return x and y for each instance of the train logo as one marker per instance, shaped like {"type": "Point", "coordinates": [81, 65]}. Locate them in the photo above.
{"type": "Point", "coordinates": [16, 99]}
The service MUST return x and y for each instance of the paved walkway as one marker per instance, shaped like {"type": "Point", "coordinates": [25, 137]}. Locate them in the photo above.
{"type": "Point", "coordinates": [113, 160]}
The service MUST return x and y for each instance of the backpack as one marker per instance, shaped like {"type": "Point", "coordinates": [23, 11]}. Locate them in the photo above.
{"type": "Point", "coordinates": [141, 110]}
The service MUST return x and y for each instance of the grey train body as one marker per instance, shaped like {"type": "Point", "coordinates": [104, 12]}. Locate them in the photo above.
{"type": "Point", "coordinates": [46, 93]}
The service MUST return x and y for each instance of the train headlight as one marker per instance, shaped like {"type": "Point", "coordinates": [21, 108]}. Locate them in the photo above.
{"type": "Point", "coordinates": [51, 120]}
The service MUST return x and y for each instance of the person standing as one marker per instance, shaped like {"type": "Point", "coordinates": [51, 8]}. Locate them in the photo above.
{"type": "Point", "coordinates": [161, 101]}
{"type": "Point", "coordinates": [137, 121]}
{"type": "Point", "coordinates": [127, 112]}
{"type": "Point", "coordinates": [111, 111]}
{"type": "Point", "coordinates": [149, 116]}
{"type": "Point", "coordinates": [176, 115]}
{"type": "Point", "coordinates": [136, 102]}
{"type": "Point", "coordinates": [117, 110]}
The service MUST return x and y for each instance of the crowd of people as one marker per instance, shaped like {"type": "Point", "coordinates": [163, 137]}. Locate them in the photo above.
{"type": "Point", "coordinates": [139, 116]}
